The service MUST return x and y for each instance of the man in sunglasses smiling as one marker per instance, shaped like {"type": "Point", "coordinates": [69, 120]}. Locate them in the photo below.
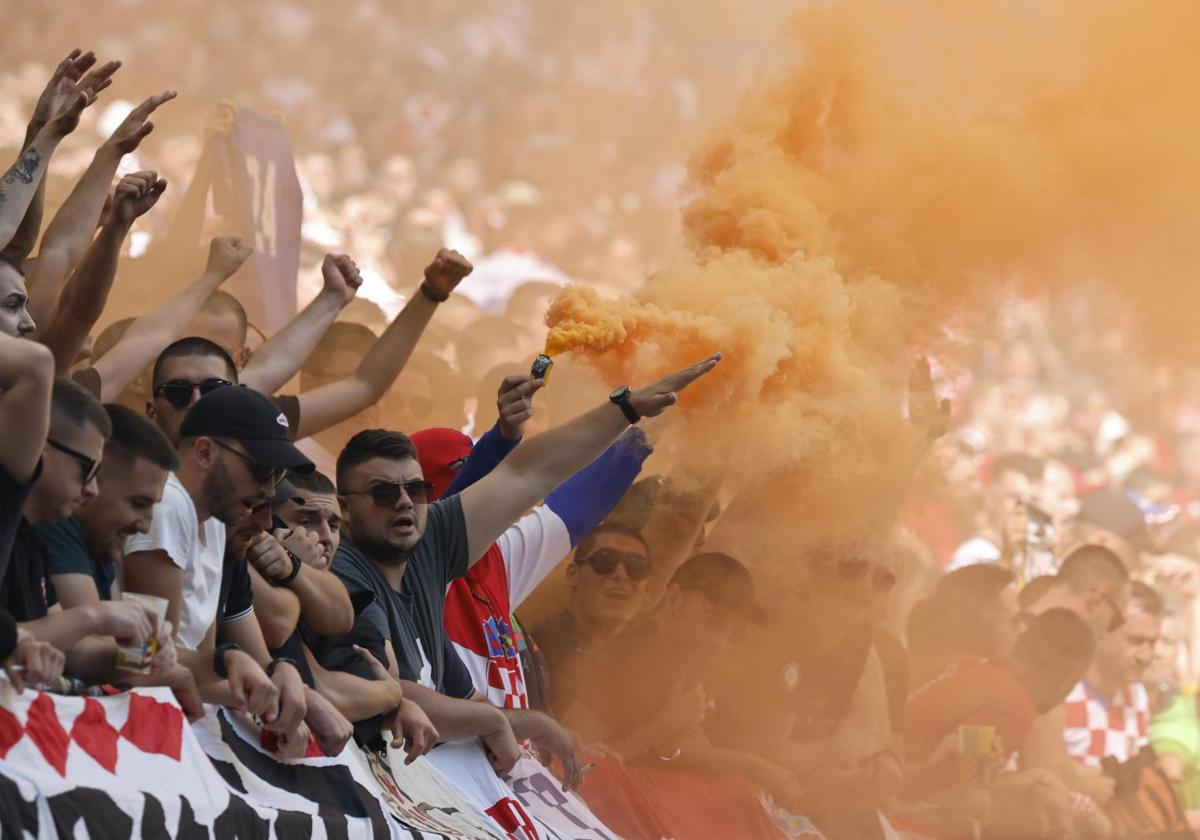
{"type": "Point", "coordinates": [79, 428]}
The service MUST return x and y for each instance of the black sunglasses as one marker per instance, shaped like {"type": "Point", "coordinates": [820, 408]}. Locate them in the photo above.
{"type": "Point", "coordinates": [386, 495]}
{"type": "Point", "coordinates": [178, 392]}
{"type": "Point", "coordinates": [881, 579]}
{"type": "Point", "coordinates": [90, 465]}
{"type": "Point", "coordinates": [604, 562]}
{"type": "Point", "coordinates": [258, 472]}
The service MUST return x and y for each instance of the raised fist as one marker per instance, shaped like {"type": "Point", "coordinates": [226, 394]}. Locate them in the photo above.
{"type": "Point", "coordinates": [226, 255]}
{"type": "Point", "coordinates": [341, 276]}
{"type": "Point", "coordinates": [446, 271]}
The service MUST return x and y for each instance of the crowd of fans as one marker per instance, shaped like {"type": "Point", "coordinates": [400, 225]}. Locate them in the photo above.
{"type": "Point", "coordinates": [1016, 659]}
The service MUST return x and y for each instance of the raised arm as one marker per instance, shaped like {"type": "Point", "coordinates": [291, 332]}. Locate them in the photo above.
{"type": "Point", "coordinates": [86, 294]}
{"type": "Point", "coordinates": [547, 460]}
{"type": "Point", "coordinates": [26, 377]}
{"type": "Point", "coordinates": [333, 403]}
{"type": "Point", "coordinates": [279, 359]}
{"type": "Point", "coordinates": [69, 71]}
{"type": "Point", "coordinates": [20, 183]}
{"type": "Point", "coordinates": [515, 403]}
{"type": "Point", "coordinates": [75, 222]}
{"type": "Point", "coordinates": [149, 334]}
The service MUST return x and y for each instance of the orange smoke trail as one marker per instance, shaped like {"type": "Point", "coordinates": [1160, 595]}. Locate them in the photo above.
{"type": "Point", "coordinates": [921, 158]}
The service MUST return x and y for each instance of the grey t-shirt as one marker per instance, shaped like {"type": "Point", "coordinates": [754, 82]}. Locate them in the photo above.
{"type": "Point", "coordinates": [412, 618]}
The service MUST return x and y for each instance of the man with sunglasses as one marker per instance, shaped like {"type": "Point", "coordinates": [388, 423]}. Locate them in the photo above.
{"type": "Point", "coordinates": [234, 446]}
{"type": "Point", "coordinates": [26, 379]}
{"type": "Point", "coordinates": [406, 551]}
{"type": "Point", "coordinates": [79, 428]}
{"type": "Point", "coordinates": [607, 579]}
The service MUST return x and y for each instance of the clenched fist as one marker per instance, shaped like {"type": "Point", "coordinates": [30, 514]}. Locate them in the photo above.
{"type": "Point", "coordinates": [444, 274]}
{"type": "Point", "coordinates": [226, 255]}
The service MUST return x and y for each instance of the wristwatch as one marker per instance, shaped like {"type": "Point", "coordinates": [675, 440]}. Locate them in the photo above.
{"type": "Point", "coordinates": [620, 398]}
{"type": "Point", "coordinates": [219, 659]}
{"type": "Point", "coordinates": [297, 565]}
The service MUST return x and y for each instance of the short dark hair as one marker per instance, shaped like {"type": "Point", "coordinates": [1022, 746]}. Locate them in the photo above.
{"type": "Point", "coordinates": [373, 443]}
{"type": "Point", "coordinates": [1092, 565]}
{"type": "Point", "coordinates": [133, 437]}
{"type": "Point", "coordinates": [1034, 590]}
{"type": "Point", "coordinates": [73, 406]}
{"type": "Point", "coordinates": [1147, 598]}
{"type": "Point", "coordinates": [313, 482]}
{"type": "Point", "coordinates": [1056, 638]}
{"type": "Point", "coordinates": [223, 302]}
{"type": "Point", "coordinates": [193, 345]}
{"type": "Point", "coordinates": [975, 584]}
{"type": "Point", "coordinates": [588, 544]}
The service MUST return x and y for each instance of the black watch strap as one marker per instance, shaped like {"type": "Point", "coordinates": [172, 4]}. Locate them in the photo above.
{"type": "Point", "coordinates": [219, 659]}
{"type": "Point", "coordinates": [277, 661]}
{"type": "Point", "coordinates": [620, 398]}
{"type": "Point", "coordinates": [297, 565]}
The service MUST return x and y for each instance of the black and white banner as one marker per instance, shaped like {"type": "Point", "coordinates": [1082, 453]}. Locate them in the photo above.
{"type": "Point", "coordinates": [131, 766]}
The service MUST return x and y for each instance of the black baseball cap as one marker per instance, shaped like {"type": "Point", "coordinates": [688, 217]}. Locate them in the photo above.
{"type": "Point", "coordinates": [725, 581]}
{"type": "Point", "coordinates": [250, 418]}
{"type": "Point", "coordinates": [285, 492]}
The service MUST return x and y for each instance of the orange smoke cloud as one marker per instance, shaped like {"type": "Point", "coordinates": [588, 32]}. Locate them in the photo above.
{"type": "Point", "coordinates": [921, 158]}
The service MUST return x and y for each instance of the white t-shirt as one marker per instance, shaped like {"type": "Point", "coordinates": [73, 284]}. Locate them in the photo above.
{"type": "Point", "coordinates": [198, 549]}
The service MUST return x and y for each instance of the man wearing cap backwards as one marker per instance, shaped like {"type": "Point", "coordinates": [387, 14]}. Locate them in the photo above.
{"type": "Point", "coordinates": [405, 551]}
{"type": "Point", "coordinates": [645, 700]}
{"type": "Point", "coordinates": [233, 447]}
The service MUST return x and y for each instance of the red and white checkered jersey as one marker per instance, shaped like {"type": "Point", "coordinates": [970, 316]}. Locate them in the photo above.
{"type": "Point", "coordinates": [479, 606]}
{"type": "Point", "coordinates": [1098, 728]}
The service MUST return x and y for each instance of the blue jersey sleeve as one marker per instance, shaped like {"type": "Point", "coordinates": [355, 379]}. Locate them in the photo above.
{"type": "Point", "coordinates": [584, 499]}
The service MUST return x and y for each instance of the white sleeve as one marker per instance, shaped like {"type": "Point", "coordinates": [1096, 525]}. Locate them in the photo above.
{"type": "Point", "coordinates": [531, 549]}
{"type": "Point", "coordinates": [173, 529]}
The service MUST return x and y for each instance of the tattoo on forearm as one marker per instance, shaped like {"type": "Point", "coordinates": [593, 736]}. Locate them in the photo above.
{"type": "Point", "coordinates": [25, 169]}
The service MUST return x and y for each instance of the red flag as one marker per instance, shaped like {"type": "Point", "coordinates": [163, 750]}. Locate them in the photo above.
{"type": "Point", "coordinates": [96, 735]}
{"type": "Point", "coordinates": [43, 728]}
{"type": "Point", "coordinates": [154, 727]}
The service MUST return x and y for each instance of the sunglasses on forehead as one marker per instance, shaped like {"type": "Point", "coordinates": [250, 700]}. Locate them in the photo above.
{"type": "Point", "coordinates": [88, 466]}
{"type": "Point", "coordinates": [178, 392]}
{"type": "Point", "coordinates": [387, 494]}
{"type": "Point", "coordinates": [604, 562]}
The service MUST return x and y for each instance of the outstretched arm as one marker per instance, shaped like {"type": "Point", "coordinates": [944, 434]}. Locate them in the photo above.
{"type": "Point", "coordinates": [333, 403]}
{"type": "Point", "coordinates": [26, 377]}
{"type": "Point", "coordinates": [547, 460]}
{"type": "Point", "coordinates": [279, 359]}
{"type": "Point", "coordinates": [87, 291]}
{"type": "Point", "coordinates": [75, 222]}
{"type": "Point", "coordinates": [54, 96]}
{"type": "Point", "coordinates": [20, 183]}
{"type": "Point", "coordinates": [149, 334]}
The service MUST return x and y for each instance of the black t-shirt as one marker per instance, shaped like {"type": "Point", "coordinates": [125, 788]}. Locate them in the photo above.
{"type": "Point", "coordinates": [26, 591]}
{"type": "Point", "coordinates": [236, 599]}
{"type": "Point", "coordinates": [67, 554]}
{"type": "Point", "coordinates": [412, 618]}
{"type": "Point", "coordinates": [12, 500]}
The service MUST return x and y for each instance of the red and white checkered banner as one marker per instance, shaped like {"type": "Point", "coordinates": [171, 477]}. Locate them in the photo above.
{"type": "Point", "coordinates": [131, 766]}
